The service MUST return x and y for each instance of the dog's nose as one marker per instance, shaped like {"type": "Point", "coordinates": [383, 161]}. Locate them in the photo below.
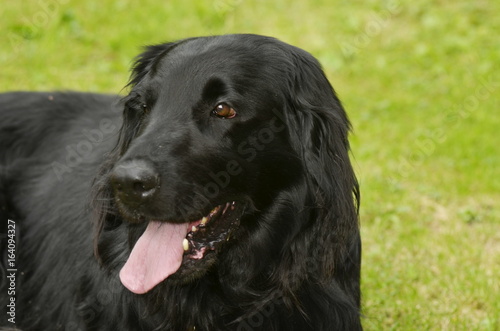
{"type": "Point", "coordinates": [135, 181]}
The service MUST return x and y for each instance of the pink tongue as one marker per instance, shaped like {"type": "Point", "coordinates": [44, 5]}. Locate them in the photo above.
{"type": "Point", "coordinates": [156, 255]}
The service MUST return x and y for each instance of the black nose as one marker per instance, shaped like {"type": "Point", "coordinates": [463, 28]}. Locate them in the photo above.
{"type": "Point", "coordinates": [135, 182]}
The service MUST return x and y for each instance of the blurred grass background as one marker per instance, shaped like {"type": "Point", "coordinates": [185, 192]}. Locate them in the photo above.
{"type": "Point", "coordinates": [420, 83]}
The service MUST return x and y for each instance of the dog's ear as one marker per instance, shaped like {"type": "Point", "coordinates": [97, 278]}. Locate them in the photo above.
{"type": "Point", "coordinates": [148, 60]}
{"type": "Point", "coordinates": [319, 130]}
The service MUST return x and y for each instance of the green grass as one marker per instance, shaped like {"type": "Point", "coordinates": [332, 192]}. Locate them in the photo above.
{"type": "Point", "coordinates": [420, 82]}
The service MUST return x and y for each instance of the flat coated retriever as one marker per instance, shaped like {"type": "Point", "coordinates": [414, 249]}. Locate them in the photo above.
{"type": "Point", "coordinates": [217, 195]}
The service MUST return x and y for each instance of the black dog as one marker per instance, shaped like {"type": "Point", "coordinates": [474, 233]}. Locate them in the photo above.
{"type": "Point", "coordinates": [221, 197]}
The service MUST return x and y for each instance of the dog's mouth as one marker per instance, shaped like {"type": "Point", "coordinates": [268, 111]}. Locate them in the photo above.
{"type": "Point", "coordinates": [166, 249]}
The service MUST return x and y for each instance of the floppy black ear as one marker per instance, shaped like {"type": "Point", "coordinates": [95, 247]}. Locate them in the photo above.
{"type": "Point", "coordinates": [319, 132]}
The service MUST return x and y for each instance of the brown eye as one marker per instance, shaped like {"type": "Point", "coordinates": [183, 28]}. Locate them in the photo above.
{"type": "Point", "coordinates": [145, 108]}
{"type": "Point", "coordinates": [224, 111]}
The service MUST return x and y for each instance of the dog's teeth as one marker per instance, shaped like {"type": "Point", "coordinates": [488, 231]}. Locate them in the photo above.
{"type": "Point", "coordinates": [194, 229]}
{"type": "Point", "coordinates": [225, 208]}
{"type": "Point", "coordinates": [185, 244]}
{"type": "Point", "coordinates": [204, 220]}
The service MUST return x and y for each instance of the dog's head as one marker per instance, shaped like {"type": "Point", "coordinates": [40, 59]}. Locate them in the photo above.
{"type": "Point", "coordinates": [228, 144]}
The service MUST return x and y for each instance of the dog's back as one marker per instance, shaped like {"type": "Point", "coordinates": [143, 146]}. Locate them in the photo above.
{"type": "Point", "coordinates": [44, 138]}
{"type": "Point", "coordinates": [59, 129]}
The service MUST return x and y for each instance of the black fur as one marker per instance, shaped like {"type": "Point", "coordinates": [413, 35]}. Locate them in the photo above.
{"type": "Point", "coordinates": [293, 263]}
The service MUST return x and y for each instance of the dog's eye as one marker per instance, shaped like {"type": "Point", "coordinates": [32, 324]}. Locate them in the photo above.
{"type": "Point", "coordinates": [223, 110]}
{"type": "Point", "coordinates": [145, 108]}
